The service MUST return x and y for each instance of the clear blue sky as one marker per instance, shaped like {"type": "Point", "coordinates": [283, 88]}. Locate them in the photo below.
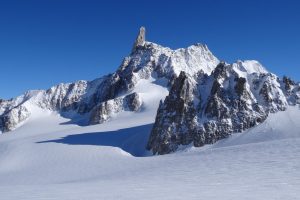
{"type": "Point", "coordinates": [45, 42]}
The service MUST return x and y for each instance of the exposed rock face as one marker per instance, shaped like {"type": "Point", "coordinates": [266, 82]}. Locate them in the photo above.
{"type": "Point", "coordinates": [63, 96]}
{"type": "Point", "coordinates": [95, 98]}
{"type": "Point", "coordinates": [175, 118]}
{"type": "Point", "coordinates": [133, 101]}
{"type": "Point", "coordinates": [108, 109]}
{"type": "Point", "coordinates": [288, 83]}
{"type": "Point", "coordinates": [292, 90]}
{"type": "Point", "coordinates": [140, 39]}
{"type": "Point", "coordinates": [205, 108]}
{"type": "Point", "coordinates": [12, 118]}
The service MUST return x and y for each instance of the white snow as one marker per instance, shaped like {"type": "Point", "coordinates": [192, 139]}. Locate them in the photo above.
{"type": "Point", "coordinates": [190, 60]}
{"type": "Point", "coordinates": [248, 67]}
{"type": "Point", "coordinates": [47, 158]}
{"type": "Point", "coordinates": [282, 125]}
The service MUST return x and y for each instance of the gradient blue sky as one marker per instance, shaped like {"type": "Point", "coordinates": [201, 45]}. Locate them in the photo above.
{"type": "Point", "coordinates": [45, 42]}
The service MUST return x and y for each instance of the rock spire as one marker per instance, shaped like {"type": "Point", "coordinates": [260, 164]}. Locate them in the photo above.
{"type": "Point", "coordinates": [140, 39]}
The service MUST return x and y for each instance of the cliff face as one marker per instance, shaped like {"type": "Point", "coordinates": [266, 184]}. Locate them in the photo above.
{"type": "Point", "coordinates": [203, 109]}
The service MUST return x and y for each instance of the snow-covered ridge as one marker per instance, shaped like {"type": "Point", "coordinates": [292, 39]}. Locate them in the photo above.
{"type": "Point", "coordinates": [83, 99]}
{"type": "Point", "coordinates": [249, 67]}
{"type": "Point", "coordinates": [207, 100]}
{"type": "Point", "coordinates": [205, 108]}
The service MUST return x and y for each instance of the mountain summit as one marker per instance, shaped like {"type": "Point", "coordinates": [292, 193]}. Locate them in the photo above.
{"type": "Point", "coordinates": [92, 102]}
{"type": "Point", "coordinates": [192, 96]}
{"type": "Point", "coordinates": [140, 39]}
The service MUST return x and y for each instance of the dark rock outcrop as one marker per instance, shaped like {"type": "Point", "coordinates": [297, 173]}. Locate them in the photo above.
{"type": "Point", "coordinates": [175, 118]}
{"type": "Point", "coordinates": [204, 109]}
{"type": "Point", "coordinates": [105, 110]}
{"type": "Point", "coordinates": [13, 117]}
{"type": "Point", "coordinates": [140, 39]}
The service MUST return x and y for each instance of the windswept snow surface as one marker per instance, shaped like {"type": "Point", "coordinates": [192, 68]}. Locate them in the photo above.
{"type": "Point", "coordinates": [47, 158]}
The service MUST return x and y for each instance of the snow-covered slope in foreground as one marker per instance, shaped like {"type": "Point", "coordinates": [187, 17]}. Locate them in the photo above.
{"type": "Point", "coordinates": [50, 161]}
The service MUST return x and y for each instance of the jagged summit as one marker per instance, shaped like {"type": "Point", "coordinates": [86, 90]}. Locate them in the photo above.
{"type": "Point", "coordinates": [232, 99]}
{"type": "Point", "coordinates": [97, 101]}
{"type": "Point", "coordinates": [140, 39]}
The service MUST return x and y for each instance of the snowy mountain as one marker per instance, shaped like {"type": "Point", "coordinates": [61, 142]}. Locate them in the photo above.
{"type": "Point", "coordinates": [91, 102]}
{"type": "Point", "coordinates": [96, 139]}
{"type": "Point", "coordinates": [203, 109]}
{"type": "Point", "coordinates": [204, 100]}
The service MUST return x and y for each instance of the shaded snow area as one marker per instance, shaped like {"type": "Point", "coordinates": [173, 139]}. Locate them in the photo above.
{"type": "Point", "coordinates": [48, 158]}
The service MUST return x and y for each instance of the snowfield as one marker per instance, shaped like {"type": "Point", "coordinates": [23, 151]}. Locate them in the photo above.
{"type": "Point", "coordinates": [49, 158]}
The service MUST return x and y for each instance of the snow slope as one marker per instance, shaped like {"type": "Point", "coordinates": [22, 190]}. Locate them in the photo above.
{"type": "Point", "coordinates": [48, 158]}
{"type": "Point", "coordinates": [283, 125]}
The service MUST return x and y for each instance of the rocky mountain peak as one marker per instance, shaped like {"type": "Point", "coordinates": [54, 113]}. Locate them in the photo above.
{"type": "Point", "coordinates": [288, 83]}
{"type": "Point", "coordinates": [220, 70]}
{"type": "Point", "coordinates": [233, 98]}
{"type": "Point", "coordinates": [207, 99]}
{"type": "Point", "coordinates": [140, 39]}
{"type": "Point", "coordinates": [97, 101]}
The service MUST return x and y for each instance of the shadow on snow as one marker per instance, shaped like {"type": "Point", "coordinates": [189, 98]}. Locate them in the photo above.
{"type": "Point", "coordinates": [132, 140]}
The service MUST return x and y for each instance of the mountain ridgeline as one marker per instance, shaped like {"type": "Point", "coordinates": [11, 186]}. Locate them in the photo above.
{"type": "Point", "coordinates": [203, 109]}
{"type": "Point", "coordinates": [208, 100]}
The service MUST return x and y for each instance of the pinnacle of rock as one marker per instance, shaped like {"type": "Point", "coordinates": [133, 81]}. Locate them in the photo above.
{"type": "Point", "coordinates": [140, 39]}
